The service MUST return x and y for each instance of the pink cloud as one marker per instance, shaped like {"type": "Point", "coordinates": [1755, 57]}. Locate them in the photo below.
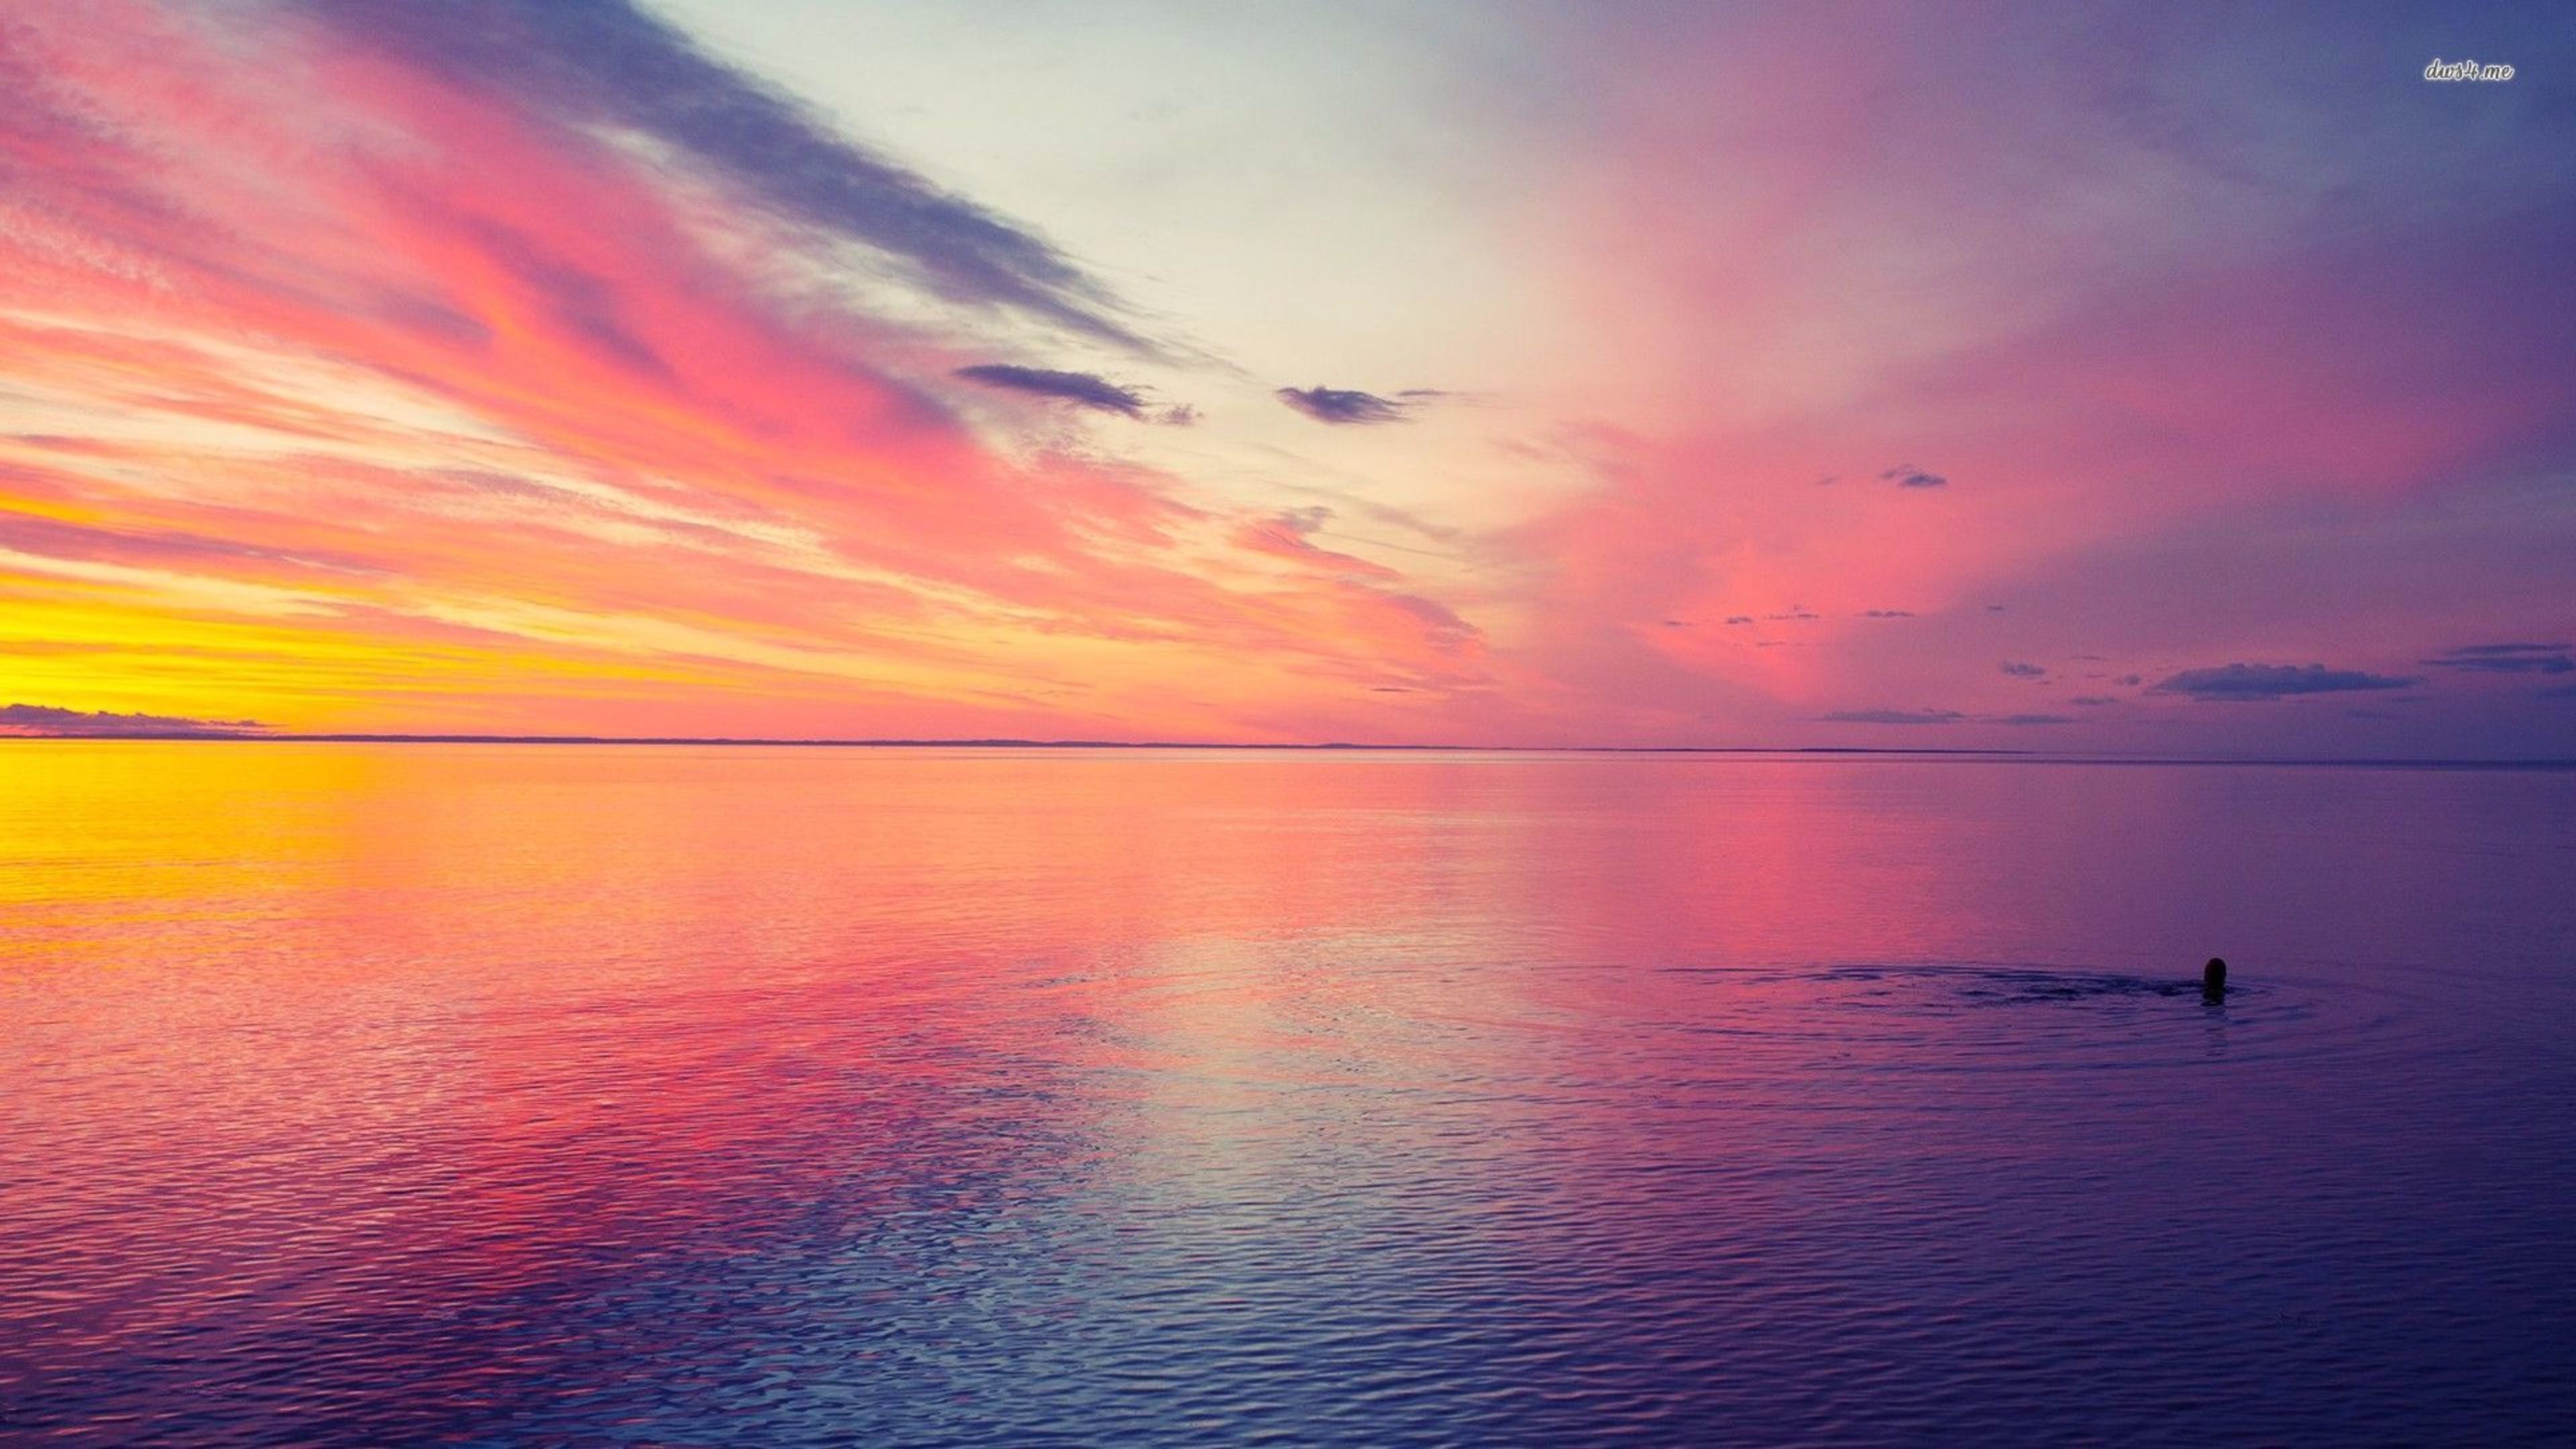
{"type": "Point", "coordinates": [496, 293]}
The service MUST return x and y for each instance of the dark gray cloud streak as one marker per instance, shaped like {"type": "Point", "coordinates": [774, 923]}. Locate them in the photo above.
{"type": "Point", "coordinates": [1939, 717]}
{"type": "Point", "coordinates": [46, 719]}
{"type": "Point", "coordinates": [1894, 716]}
{"type": "Point", "coordinates": [2241, 682]}
{"type": "Point", "coordinates": [588, 63]}
{"type": "Point", "coordinates": [1075, 387]}
{"type": "Point", "coordinates": [1906, 475]}
{"type": "Point", "coordinates": [1348, 405]}
{"type": "Point", "coordinates": [2507, 659]}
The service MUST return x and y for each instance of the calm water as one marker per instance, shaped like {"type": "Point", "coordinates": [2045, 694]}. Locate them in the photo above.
{"type": "Point", "coordinates": [640, 1095]}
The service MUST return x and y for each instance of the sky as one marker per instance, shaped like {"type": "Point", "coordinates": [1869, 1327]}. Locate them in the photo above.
{"type": "Point", "coordinates": [2157, 379]}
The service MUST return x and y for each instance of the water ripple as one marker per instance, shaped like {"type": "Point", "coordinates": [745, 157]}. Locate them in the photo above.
{"type": "Point", "coordinates": [1427, 1134]}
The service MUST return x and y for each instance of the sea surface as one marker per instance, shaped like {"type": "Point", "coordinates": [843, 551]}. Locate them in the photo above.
{"type": "Point", "coordinates": [390, 1094]}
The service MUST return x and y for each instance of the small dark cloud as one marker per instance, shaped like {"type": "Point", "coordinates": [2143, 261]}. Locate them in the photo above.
{"type": "Point", "coordinates": [1994, 608]}
{"type": "Point", "coordinates": [1073, 387]}
{"type": "Point", "coordinates": [46, 719]}
{"type": "Point", "coordinates": [2131, 680]}
{"type": "Point", "coordinates": [1795, 612]}
{"type": "Point", "coordinates": [1739, 618]}
{"type": "Point", "coordinates": [1179, 415]}
{"type": "Point", "coordinates": [2094, 701]}
{"type": "Point", "coordinates": [1677, 623]}
{"type": "Point", "coordinates": [1887, 613]}
{"type": "Point", "coordinates": [1829, 480]}
{"type": "Point", "coordinates": [2032, 719]}
{"type": "Point", "coordinates": [1906, 475]}
{"type": "Point", "coordinates": [2507, 659]}
{"type": "Point", "coordinates": [2024, 671]}
{"type": "Point", "coordinates": [1894, 716]}
{"type": "Point", "coordinates": [1348, 405]}
{"type": "Point", "coordinates": [1392, 689]}
{"type": "Point", "coordinates": [2238, 682]}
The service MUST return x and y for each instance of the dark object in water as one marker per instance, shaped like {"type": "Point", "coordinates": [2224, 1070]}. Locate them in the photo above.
{"type": "Point", "coordinates": [2213, 979]}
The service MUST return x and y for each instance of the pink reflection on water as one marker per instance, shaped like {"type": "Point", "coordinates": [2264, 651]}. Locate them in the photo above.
{"type": "Point", "coordinates": [396, 1092]}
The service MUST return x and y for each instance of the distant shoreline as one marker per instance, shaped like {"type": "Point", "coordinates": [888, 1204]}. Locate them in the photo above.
{"type": "Point", "coordinates": [1998, 756]}
{"type": "Point", "coordinates": [244, 737]}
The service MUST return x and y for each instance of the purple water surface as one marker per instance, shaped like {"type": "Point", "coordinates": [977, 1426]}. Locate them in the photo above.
{"type": "Point", "coordinates": [666, 1095]}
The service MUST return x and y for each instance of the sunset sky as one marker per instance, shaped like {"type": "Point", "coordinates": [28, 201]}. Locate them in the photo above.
{"type": "Point", "coordinates": [2169, 380]}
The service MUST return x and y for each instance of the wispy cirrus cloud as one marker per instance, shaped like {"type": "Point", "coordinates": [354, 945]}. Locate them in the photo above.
{"type": "Point", "coordinates": [1290, 535]}
{"type": "Point", "coordinates": [537, 364]}
{"type": "Point", "coordinates": [519, 380]}
{"type": "Point", "coordinates": [613, 64]}
{"type": "Point", "coordinates": [2208, 358]}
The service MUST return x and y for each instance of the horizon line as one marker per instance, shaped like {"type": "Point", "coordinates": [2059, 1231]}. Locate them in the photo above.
{"type": "Point", "coordinates": [1994, 753]}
